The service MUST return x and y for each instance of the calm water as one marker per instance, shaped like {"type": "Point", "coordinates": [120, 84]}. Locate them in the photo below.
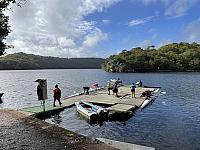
{"type": "Point", "coordinates": [171, 122]}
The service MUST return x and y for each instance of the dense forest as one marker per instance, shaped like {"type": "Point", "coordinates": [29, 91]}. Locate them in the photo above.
{"type": "Point", "coordinates": [171, 57]}
{"type": "Point", "coordinates": [30, 61]}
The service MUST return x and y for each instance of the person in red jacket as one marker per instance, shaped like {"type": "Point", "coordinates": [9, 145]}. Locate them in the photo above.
{"type": "Point", "coordinates": [56, 95]}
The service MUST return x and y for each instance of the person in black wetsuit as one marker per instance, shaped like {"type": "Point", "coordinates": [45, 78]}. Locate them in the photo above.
{"type": "Point", "coordinates": [115, 89]}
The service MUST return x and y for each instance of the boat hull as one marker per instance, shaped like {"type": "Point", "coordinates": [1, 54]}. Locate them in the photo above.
{"type": "Point", "coordinates": [89, 117]}
{"type": "Point", "coordinates": [150, 99]}
{"type": "Point", "coordinates": [93, 114]}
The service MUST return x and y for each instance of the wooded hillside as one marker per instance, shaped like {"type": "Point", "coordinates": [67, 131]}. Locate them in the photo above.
{"type": "Point", "coordinates": [171, 57]}
{"type": "Point", "coordinates": [30, 61]}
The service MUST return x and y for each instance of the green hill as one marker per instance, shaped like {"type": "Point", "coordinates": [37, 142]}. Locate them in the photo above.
{"type": "Point", "coordinates": [172, 57]}
{"type": "Point", "coordinates": [30, 61]}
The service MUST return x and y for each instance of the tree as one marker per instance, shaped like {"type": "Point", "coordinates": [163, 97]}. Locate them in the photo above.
{"type": "Point", "coordinates": [171, 57]}
{"type": "Point", "coordinates": [150, 47]}
{"type": "Point", "coordinates": [4, 26]}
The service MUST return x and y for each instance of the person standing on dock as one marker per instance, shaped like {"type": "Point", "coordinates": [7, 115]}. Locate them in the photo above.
{"type": "Point", "coordinates": [115, 89]}
{"type": "Point", "coordinates": [56, 95]}
{"type": "Point", "coordinates": [133, 89]}
{"type": "Point", "coordinates": [110, 87]}
{"type": "Point", "coordinates": [119, 81]}
{"type": "Point", "coordinates": [86, 90]}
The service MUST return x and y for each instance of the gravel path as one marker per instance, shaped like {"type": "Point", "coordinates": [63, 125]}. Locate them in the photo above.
{"type": "Point", "coordinates": [21, 132]}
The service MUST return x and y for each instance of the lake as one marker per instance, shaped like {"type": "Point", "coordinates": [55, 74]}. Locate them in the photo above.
{"type": "Point", "coordinates": [171, 122]}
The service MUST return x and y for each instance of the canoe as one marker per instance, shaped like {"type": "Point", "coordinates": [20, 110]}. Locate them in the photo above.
{"type": "Point", "coordinates": [89, 111]}
{"type": "Point", "coordinates": [148, 100]}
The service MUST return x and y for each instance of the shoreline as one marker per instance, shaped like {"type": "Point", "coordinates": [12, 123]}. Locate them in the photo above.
{"type": "Point", "coordinates": [21, 131]}
{"type": "Point", "coordinates": [161, 71]}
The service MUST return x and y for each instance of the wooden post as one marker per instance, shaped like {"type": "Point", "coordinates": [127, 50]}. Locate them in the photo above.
{"type": "Point", "coordinates": [44, 110]}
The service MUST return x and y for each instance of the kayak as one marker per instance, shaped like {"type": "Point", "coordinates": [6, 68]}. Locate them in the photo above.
{"type": "Point", "coordinates": [77, 94]}
{"type": "Point", "coordinates": [151, 86]}
{"type": "Point", "coordinates": [89, 111]}
{"type": "Point", "coordinates": [148, 100]}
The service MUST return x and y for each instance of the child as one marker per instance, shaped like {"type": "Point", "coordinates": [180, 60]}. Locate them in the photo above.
{"type": "Point", "coordinates": [133, 89]}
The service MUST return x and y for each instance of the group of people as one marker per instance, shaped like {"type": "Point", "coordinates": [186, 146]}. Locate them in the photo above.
{"type": "Point", "coordinates": [114, 87]}
{"type": "Point", "coordinates": [111, 87]}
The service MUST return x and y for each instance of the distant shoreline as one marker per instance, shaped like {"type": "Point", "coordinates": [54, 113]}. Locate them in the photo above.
{"type": "Point", "coordinates": [161, 71]}
{"type": "Point", "coordinates": [55, 69]}
{"type": "Point", "coordinates": [23, 61]}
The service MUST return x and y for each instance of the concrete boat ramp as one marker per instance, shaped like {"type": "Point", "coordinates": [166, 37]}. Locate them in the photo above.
{"type": "Point", "coordinates": [124, 103]}
{"type": "Point", "coordinates": [123, 145]}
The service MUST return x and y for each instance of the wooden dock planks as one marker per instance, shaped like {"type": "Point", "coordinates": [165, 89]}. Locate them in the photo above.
{"type": "Point", "coordinates": [38, 110]}
{"type": "Point", "coordinates": [122, 108]}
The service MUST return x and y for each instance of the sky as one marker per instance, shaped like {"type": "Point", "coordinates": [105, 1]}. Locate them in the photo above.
{"type": "Point", "coordinates": [99, 28]}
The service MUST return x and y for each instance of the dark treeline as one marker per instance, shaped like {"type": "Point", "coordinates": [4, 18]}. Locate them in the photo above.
{"type": "Point", "coordinates": [30, 61]}
{"type": "Point", "coordinates": [171, 57]}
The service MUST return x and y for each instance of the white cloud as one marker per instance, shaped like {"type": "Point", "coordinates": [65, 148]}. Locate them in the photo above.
{"type": "Point", "coordinates": [106, 21]}
{"type": "Point", "coordinates": [173, 8]}
{"type": "Point", "coordinates": [136, 22]}
{"type": "Point", "coordinates": [146, 43]}
{"type": "Point", "coordinates": [149, 2]}
{"type": "Point", "coordinates": [192, 31]}
{"type": "Point", "coordinates": [67, 43]}
{"type": "Point", "coordinates": [89, 6]}
{"type": "Point", "coordinates": [179, 8]}
{"type": "Point", "coordinates": [93, 38]}
{"type": "Point", "coordinates": [57, 27]}
{"type": "Point", "coordinates": [165, 42]}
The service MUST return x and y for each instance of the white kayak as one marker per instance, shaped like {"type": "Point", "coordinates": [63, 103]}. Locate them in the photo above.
{"type": "Point", "coordinates": [89, 111]}
{"type": "Point", "coordinates": [147, 101]}
{"type": "Point", "coordinates": [76, 94]}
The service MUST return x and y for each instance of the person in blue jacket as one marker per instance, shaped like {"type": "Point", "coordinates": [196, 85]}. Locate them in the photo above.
{"type": "Point", "coordinates": [133, 89]}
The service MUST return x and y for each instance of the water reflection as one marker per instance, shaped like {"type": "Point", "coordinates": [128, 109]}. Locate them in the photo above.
{"type": "Point", "coordinates": [57, 119]}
